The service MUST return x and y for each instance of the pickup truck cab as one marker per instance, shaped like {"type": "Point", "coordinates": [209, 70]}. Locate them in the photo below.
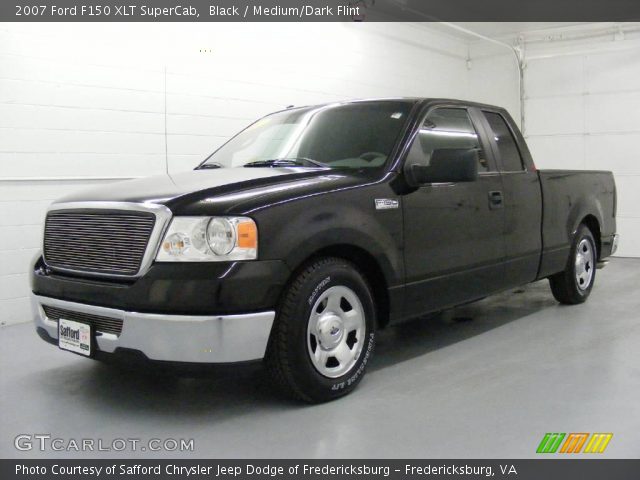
{"type": "Point", "coordinates": [311, 229]}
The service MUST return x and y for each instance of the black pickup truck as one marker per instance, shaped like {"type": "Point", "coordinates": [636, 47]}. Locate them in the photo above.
{"type": "Point", "coordinates": [311, 229]}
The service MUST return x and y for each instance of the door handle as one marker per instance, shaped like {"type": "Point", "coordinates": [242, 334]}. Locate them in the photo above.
{"type": "Point", "coordinates": [495, 199]}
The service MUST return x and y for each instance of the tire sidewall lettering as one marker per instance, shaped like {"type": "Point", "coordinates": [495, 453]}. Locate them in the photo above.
{"type": "Point", "coordinates": [318, 290]}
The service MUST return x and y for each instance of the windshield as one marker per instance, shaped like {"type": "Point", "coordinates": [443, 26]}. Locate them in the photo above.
{"type": "Point", "coordinates": [356, 135]}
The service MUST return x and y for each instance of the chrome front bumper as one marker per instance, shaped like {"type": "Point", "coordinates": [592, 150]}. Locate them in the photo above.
{"type": "Point", "coordinates": [175, 338]}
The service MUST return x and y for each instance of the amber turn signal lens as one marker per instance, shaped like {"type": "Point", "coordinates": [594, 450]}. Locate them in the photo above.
{"type": "Point", "coordinates": [247, 235]}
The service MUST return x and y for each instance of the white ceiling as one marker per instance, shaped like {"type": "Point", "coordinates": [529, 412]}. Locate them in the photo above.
{"type": "Point", "coordinates": [509, 30]}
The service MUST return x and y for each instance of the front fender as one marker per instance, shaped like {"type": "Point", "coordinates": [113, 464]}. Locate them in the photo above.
{"type": "Point", "coordinates": [298, 230]}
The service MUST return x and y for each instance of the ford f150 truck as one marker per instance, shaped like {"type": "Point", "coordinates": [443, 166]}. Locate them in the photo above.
{"type": "Point", "coordinates": [311, 229]}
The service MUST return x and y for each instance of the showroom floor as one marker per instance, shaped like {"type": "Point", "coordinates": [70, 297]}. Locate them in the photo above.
{"type": "Point", "coordinates": [486, 380]}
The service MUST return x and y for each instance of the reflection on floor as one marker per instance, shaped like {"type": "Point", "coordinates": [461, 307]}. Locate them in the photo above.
{"type": "Point", "coordinates": [485, 380]}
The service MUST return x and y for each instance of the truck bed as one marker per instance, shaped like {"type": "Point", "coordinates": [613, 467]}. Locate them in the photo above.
{"type": "Point", "coordinates": [568, 196]}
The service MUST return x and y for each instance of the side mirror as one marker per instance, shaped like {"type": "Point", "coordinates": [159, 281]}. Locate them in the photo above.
{"type": "Point", "coordinates": [448, 165]}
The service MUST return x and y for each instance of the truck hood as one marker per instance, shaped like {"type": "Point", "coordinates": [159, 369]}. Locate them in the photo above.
{"type": "Point", "coordinates": [221, 189]}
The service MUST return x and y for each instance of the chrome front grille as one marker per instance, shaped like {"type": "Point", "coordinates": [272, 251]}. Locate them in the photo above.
{"type": "Point", "coordinates": [108, 242]}
{"type": "Point", "coordinates": [100, 323]}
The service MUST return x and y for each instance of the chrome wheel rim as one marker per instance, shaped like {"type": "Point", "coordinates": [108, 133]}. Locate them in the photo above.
{"type": "Point", "coordinates": [584, 265]}
{"type": "Point", "coordinates": [335, 331]}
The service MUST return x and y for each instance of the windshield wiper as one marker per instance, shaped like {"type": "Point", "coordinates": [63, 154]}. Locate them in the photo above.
{"type": "Point", "coordinates": [207, 166]}
{"type": "Point", "coordinates": [286, 162]}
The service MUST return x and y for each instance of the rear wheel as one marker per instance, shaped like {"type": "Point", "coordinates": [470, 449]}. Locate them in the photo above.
{"type": "Point", "coordinates": [323, 337]}
{"type": "Point", "coordinates": [573, 285]}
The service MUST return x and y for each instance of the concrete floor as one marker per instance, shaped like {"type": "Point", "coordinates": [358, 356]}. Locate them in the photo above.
{"type": "Point", "coordinates": [486, 380]}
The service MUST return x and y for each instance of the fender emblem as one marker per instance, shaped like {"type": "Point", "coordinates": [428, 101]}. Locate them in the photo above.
{"type": "Point", "coordinates": [386, 203]}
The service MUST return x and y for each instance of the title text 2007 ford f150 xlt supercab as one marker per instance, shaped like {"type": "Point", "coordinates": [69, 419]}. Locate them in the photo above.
{"type": "Point", "coordinates": [311, 229]}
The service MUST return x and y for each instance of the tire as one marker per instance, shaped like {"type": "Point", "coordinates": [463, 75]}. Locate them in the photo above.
{"type": "Point", "coordinates": [324, 333]}
{"type": "Point", "coordinates": [573, 285]}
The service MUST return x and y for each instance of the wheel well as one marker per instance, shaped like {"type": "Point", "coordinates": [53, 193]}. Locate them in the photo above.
{"type": "Point", "coordinates": [592, 224]}
{"type": "Point", "coordinates": [368, 266]}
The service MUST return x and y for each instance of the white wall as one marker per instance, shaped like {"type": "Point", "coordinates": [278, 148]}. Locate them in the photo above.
{"type": "Point", "coordinates": [89, 103]}
{"type": "Point", "coordinates": [494, 76]}
{"type": "Point", "coordinates": [582, 111]}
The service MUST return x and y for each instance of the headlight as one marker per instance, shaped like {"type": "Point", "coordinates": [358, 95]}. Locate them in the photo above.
{"type": "Point", "coordinates": [209, 239]}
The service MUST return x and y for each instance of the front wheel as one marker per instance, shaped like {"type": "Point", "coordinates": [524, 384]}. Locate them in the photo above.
{"type": "Point", "coordinates": [323, 337]}
{"type": "Point", "coordinates": [573, 285]}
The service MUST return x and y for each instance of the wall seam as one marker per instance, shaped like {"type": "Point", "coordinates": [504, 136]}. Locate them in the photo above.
{"type": "Point", "coordinates": [166, 147]}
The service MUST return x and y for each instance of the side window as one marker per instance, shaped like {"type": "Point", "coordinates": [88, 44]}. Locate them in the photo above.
{"type": "Point", "coordinates": [509, 153]}
{"type": "Point", "coordinates": [445, 128]}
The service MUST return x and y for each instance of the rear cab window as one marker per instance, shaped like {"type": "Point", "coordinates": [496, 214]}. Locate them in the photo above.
{"type": "Point", "coordinates": [508, 151]}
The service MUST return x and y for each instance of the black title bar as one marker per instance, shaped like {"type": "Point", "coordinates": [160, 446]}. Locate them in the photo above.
{"type": "Point", "coordinates": [318, 10]}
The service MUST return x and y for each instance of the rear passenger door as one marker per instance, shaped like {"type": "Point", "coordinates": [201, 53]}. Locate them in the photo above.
{"type": "Point", "coordinates": [454, 248]}
{"type": "Point", "coordinates": [522, 199]}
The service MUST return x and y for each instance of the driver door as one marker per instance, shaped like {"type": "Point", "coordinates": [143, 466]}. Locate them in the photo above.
{"type": "Point", "coordinates": [453, 232]}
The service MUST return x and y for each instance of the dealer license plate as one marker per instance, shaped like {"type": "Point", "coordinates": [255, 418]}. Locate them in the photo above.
{"type": "Point", "coordinates": [74, 336]}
